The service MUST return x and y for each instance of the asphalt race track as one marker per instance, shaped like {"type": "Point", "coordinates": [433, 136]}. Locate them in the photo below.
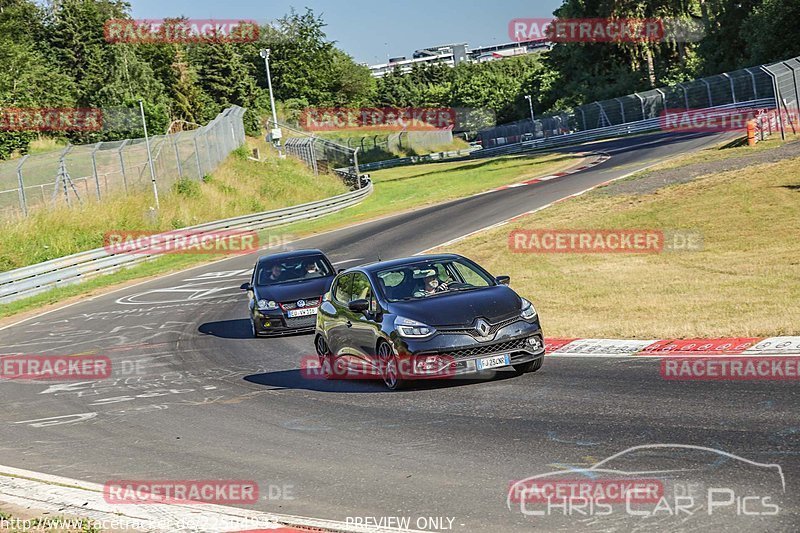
{"type": "Point", "coordinates": [209, 402]}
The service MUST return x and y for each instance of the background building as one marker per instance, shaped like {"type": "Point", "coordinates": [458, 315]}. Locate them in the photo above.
{"type": "Point", "coordinates": [457, 53]}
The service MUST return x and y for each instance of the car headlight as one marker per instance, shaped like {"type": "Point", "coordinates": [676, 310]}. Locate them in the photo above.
{"type": "Point", "coordinates": [528, 310]}
{"type": "Point", "coordinates": [264, 305]}
{"type": "Point", "coordinates": [412, 329]}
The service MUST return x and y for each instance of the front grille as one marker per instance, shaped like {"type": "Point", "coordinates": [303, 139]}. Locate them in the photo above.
{"type": "Point", "coordinates": [486, 349]}
{"type": "Point", "coordinates": [313, 302]}
{"type": "Point", "coordinates": [474, 333]}
{"type": "Point", "coordinates": [302, 322]}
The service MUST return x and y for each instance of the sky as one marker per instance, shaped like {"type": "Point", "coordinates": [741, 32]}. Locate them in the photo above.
{"type": "Point", "coordinates": [372, 30]}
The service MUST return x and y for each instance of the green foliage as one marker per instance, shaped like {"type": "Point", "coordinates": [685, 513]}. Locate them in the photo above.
{"type": "Point", "coordinates": [242, 152]}
{"type": "Point", "coordinates": [771, 33]}
{"type": "Point", "coordinates": [58, 56]}
{"type": "Point", "coordinates": [187, 188]}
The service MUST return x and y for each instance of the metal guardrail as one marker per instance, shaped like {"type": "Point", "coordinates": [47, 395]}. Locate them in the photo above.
{"type": "Point", "coordinates": [629, 128]}
{"type": "Point", "coordinates": [31, 280]}
{"type": "Point", "coordinates": [428, 158]}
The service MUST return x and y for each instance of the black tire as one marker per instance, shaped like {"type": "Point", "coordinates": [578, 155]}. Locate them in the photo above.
{"type": "Point", "coordinates": [530, 366]}
{"type": "Point", "coordinates": [389, 368]}
{"type": "Point", "coordinates": [325, 357]}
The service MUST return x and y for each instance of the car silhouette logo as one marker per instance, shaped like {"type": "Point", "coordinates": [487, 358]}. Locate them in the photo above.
{"type": "Point", "coordinates": [301, 303]}
{"type": "Point", "coordinates": [601, 468]}
{"type": "Point", "coordinates": [482, 327]}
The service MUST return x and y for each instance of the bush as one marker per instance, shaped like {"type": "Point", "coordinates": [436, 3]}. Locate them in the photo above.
{"type": "Point", "coordinates": [242, 152]}
{"type": "Point", "coordinates": [187, 188]}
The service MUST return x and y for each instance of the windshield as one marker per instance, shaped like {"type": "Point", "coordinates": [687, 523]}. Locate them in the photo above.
{"type": "Point", "coordinates": [431, 278]}
{"type": "Point", "coordinates": [292, 270]}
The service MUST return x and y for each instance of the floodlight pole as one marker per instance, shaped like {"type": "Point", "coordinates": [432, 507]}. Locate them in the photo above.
{"type": "Point", "coordinates": [149, 154]}
{"type": "Point", "coordinates": [265, 54]}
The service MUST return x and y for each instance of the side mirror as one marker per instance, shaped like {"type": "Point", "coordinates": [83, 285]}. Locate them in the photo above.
{"type": "Point", "coordinates": [246, 287]}
{"type": "Point", "coordinates": [503, 280]}
{"type": "Point", "coordinates": [359, 306]}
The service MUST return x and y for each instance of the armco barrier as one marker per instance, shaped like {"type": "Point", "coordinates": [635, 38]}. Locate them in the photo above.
{"type": "Point", "coordinates": [34, 279]}
{"type": "Point", "coordinates": [629, 128]}
{"type": "Point", "coordinates": [428, 158]}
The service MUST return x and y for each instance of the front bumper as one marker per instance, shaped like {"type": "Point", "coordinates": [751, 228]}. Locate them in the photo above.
{"type": "Point", "coordinates": [275, 322]}
{"type": "Point", "coordinates": [447, 355]}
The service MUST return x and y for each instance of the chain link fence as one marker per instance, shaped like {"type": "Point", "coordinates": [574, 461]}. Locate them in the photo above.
{"type": "Point", "coordinates": [93, 173]}
{"type": "Point", "coordinates": [779, 82]}
{"type": "Point", "coordinates": [786, 83]}
{"type": "Point", "coordinates": [401, 141]}
{"type": "Point", "coordinates": [524, 130]}
{"type": "Point", "coordinates": [322, 155]}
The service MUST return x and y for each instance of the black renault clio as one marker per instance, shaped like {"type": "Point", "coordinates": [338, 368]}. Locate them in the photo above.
{"type": "Point", "coordinates": [425, 317]}
{"type": "Point", "coordinates": [285, 291]}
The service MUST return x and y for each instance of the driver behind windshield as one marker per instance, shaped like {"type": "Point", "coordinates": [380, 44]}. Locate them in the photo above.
{"type": "Point", "coordinates": [431, 285]}
{"type": "Point", "coordinates": [276, 274]}
{"type": "Point", "coordinates": [311, 269]}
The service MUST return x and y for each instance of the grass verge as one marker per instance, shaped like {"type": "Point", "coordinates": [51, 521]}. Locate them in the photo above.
{"type": "Point", "coordinates": [396, 190]}
{"type": "Point", "coordinates": [403, 188]}
{"type": "Point", "coordinates": [745, 281]}
{"type": "Point", "coordinates": [239, 186]}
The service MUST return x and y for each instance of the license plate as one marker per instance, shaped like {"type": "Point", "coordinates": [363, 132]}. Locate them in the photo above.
{"type": "Point", "coordinates": [302, 312]}
{"type": "Point", "coordinates": [493, 362]}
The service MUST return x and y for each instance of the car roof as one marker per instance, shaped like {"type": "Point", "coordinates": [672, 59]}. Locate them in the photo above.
{"type": "Point", "coordinates": [383, 265]}
{"type": "Point", "coordinates": [291, 255]}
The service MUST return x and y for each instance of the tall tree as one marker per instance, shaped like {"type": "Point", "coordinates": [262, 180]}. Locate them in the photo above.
{"type": "Point", "coordinates": [770, 32]}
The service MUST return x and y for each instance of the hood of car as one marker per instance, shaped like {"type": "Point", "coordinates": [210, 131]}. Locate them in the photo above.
{"type": "Point", "coordinates": [461, 308]}
{"type": "Point", "coordinates": [294, 290]}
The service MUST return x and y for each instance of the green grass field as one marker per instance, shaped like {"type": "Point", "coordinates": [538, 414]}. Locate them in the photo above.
{"type": "Point", "coordinates": [402, 188]}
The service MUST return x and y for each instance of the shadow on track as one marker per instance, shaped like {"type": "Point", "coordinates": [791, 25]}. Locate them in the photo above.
{"type": "Point", "coordinates": [238, 329]}
{"type": "Point", "coordinates": [294, 380]}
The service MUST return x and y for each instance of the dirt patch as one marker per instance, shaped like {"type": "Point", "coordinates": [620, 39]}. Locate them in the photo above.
{"type": "Point", "coordinates": [651, 181]}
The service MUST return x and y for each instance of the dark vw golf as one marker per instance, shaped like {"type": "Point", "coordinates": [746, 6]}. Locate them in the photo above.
{"type": "Point", "coordinates": [285, 291]}
{"type": "Point", "coordinates": [425, 317]}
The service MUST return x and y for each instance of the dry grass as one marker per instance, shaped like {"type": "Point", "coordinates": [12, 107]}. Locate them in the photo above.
{"type": "Point", "coordinates": [238, 187]}
{"type": "Point", "coordinates": [745, 282]}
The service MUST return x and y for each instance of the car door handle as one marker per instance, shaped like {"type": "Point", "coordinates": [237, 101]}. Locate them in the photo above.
{"type": "Point", "coordinates": [348, 324]}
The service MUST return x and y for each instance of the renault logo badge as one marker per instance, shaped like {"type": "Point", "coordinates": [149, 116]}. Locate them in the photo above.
{"type": "Point", "coordinates": [482, 327]}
